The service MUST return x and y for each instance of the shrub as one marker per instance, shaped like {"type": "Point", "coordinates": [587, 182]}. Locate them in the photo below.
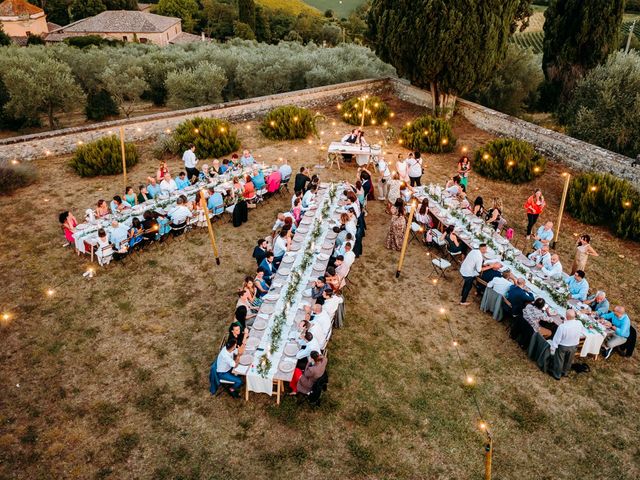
{"type": "Point", "coordinates": [288, 123]}
{"type": "Point", "coordinates": [192, 87]}
{"type": "Point", "coordinates": [377, 111]}
{"type": "Point", "coordinates": [14, 177]}
{"type": "Point", "coordinates": [509, 160]}
{"type": "Point", "coordinates": [90, 40]}
{"type": "Point", "coordinates": [602, 199]}
{"type": "Point", "coordinates": [428, 134]}
{"type": "Point", "coordinates": [103, 157]}
{"type": "Point", "coordinates": [212, 137]}
{"type": "Point", "coordinates": [100, 105]}
{"type": "Point", "coordinates": [34, 39]}
{"type": "Point", "coordinates": [163, 146]}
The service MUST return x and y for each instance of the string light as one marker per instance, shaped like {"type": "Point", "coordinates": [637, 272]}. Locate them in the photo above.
{"type": "Point", "coordinates": [392, 114]}
{"type": "Point", "coordinates": [272, 123]}
{"type": "Point", "coordinates": [385, 123]}
{"type": "Point", "coordinates": [455, 344]}
{"type": "Point", "coordinates": [110, 132]}
{"type": "Point", "coordinates": [482, 426]}
{"type": "Point", "coordinates": [333, 124]}
{"type": "Point", "coordinates": [400, 141]}
{"type": "Point", "coordinates": [222, 129]}
{"type": "Point", "coordinates": [485, 156]}
{"type": "Point", "coordinates": [80, 142]}
{"type": "Point", "coordinates": [138, 129]}
{"type": "Point", "coordinates": [511, 163]}
{"type": "Point", "coordinates": [168, 130]}
{"type": "Point", "coordinates": [536, 169]}
{"type": "Point", "coordinates": [248, 127]}
{"type": "Point", "coordinates": [6, 317]}
{"type": "Point", "coordinates": [469, 380]}
{"type": "Point", "coordinates": [295, 119]}
{"type": "Point", "coordinates": [445, 141]}
{"type": "Point", "coordinates": [15, 162]}
{"type": "Point", "coordinates": [196, 131]}
{"type": "Point", "coordinates": [46, 200]}
{"type": "Point", "coordinates": [627, 204]}
{"type": "Point", "coordinates": [434, 281]}
{"type": "Point", "coordinates": [408, 124]}
{"type": "Point", "coordinates": [564, 174]}
{"type": "Point", "coordinates": [339, 107]}
{"type": "Point", "coordinates": [442, 310]}
{"type": "Point", "coordinates": [373, 121]}
{"type": "Point", "coordinates": [594, 188]}
{"type": "Point", "coordinates": [464, 149]}
{"type": "Point", "coordinates": [50, 292]}
{"type": "Point", "coordinates": [47, 152]}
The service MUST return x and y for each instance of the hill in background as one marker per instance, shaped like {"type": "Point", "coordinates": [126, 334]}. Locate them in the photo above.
{"type": "Point", "coordinates": [341, 9]}
{"type": "Point", "coordinates": [294, 7]}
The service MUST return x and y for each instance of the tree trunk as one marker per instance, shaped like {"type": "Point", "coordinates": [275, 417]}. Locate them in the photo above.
{"type": "Point", "coordinates": [52, 119]}
{"type": "Point", "coordinates": [435, 98]}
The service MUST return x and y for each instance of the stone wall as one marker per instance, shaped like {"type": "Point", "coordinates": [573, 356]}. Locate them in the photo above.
{"type": "Point", "coordinates": [574, 153]}
{"type": "Point", "coordinates": [65, 141]}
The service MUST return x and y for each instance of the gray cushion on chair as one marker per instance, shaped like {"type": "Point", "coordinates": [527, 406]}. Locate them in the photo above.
{"type": "Point", "coordinates": [492, 302]}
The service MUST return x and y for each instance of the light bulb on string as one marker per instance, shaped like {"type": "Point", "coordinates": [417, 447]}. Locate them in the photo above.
{"type": "Point", "coordinates": [50, 292]}
{"type": "Point", "coordinates": [469, 380]}
{"type": "Point", "coordinates": [455, 344]}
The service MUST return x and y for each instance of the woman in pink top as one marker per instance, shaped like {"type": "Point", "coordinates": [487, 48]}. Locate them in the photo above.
{"type": "Point", "coordinates": [273, 181]}
{"type": "Point", "coordinates": [69, 224]}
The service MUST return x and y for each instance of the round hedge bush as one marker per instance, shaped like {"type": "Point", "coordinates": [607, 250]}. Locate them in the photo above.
{"type": "Point", "coordinates": [428, 134]}
{"type": "Point", "coordinates": [509, 160]}
{"type": "Point", "coordinates": [288, 123]}
{"type": "Point", "coordinates": [14, 177]}
{"type": "Point", "coordinates": [212, 137]}
{"type": "Point", "coordinates": [377, 112]}
{"type": "Point", "coordinates": [602, 199]}
{"type": "Point", "coordinates": [103, 157]}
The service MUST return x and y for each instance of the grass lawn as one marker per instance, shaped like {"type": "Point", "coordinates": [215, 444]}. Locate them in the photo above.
{"type": "Point", "coordinates": [108, 378]}
{"type": "Point", "coordinates": [342, 8]}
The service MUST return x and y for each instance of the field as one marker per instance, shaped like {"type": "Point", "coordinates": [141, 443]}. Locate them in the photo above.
{"type": "Point", "coordinates": [295, 7]}
{"type": "Point", "coordinates": [107, 378]}
{"type": "Point", "coordinates": [342, 8]}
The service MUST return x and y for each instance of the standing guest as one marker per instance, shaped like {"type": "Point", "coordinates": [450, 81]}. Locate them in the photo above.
{"type": "Point", "coordinates": [402, 169]}
{"type": "Point", "coordinates": [302, 382]}
{"type": "Point", "coordinates": [543, 236]}
{"type": "Point", "coordinates": [472, 267]}
{"type": "Point", "coordinates": [247, 159]}
{"type": "Point", "coordinates": [578, 285]}
{"type": "Point", "coordinates": [168, 185]}
{"type": "Point", "coordinates": [598, 303]}
{"type": "Point", "coordinates": [260, 251]}
{"type": "Point", "coordinates": [118, 205]}
{"type": "Point", "coordinates": [494, 215]}
{"type": "Point", "coordinates": [385, 177]}
{"type": "Point", "coordinates": [129, 196]}
{"type": "Point", "coordinates": [69, 224]}
{"type": "Point", "coordinates": [273, 181]}
{"type": "Point", "coordinates": [414, 169]}
{"type": "Point", "coordinates": [182, 182]}
{"type": "Point", "coordinates": [583, 250]}
{"type": "Point", "coordinates": [285, 171]}
{"type": "Point", "coordinates": [162, 171]}
{"type": "Point", "coordinates": [367, 185]}
{"type": "Point", "coordinates": [267, 266]}
{"type": "Point", "coordinates": [360, 195]}
{"type": "Point", "coordinates": [397, 227]}
{"type": "Point", "coordinates": [541, 256]}
{"type": "Point", "coordinates": [190, 162]}
{"type": "Point", "coordinates": [478, 207]}
{"type": "Point", "coordinates": [533, 207]}
{"type": "Point", "coordinates": [102, 209]}
{"type": "Point", "coordinates": [519, 295]}
{"type": "Point", "coordinates": [153, 189]}
{"type": "Point", "coordinates": [143, 194]}
{"type": "Point", "coordinates": [464, 167]}
{"type": "Point", "coordinates": [619, 321]}
{"type": "Point", "coordinates": [225, 365]}
{"type": "Point", "coordinates": [394, 190]}
{"type": "Point", "coordinates": [301, 180]}
{"type": "Point", "coordinates": [564, 344]}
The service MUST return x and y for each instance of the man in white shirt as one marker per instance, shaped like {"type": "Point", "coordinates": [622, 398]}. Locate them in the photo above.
{"type": "Point", "coordinates": [541, 256]}
{"type": "Point", "coordinates": [349, 256]}
{"type": "Point", "coordinates": [308, 344]}
{"type": "Point", "coordinates": [285, 171]}
{"type": "Point", "coordinates": [383, 181]}
{"type": "Point", "coordinates": [280, 247]}
{"type": "Point", "coordinates": [309, 196]}
{"type": "Point", "coordinates": [331, 303]}
{"type": "Point", "coordinates": [470, 269]}
{"type": "Point", "coordinates": [179, 214]}
{"type": "Point", "coordinates": [190, 162]}
{"type": "Point", "coordinates": [553, 269]}
{"type": "Point", "coordinates": [402, 169]}
{"type": "Point", "coordinates": [168, 184]}
{"type": "Point", "coordinates": [321, 323]}
{"type": "Point", "coordinates": [279, 223]}
{"type": "Point", "coordinates": [414, 164]}
{"type": "Point", "coordinates": [247, 159]}
{"type": "Point", "coordinates": [564, 344]}
{"type": "Point", "coordinates": [501, 284]}
{"type": "Point", "coordinates": [225, 365]}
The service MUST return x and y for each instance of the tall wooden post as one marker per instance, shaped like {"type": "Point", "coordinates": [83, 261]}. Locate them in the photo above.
{"type": "Point", "coordinates": [488, 458]}
{"type": "Point", "coordinates": [203, 204]}
{"type": "Point", "coordinates": [124, 158]}
{"type": "Point", "coordinates": [562, 202]}
{"type": "Point", "coordinates": [364, 109]}
{"type": "Point", "coordinates": [407, 231]}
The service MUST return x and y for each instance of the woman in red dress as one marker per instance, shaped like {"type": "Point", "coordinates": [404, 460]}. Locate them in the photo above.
{"type": "Point", "coordinates": [534, 206]}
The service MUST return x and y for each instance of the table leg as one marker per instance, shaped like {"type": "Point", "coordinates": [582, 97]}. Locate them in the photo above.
{"type": "Point", "coordinates": [92, 248]}
{"type": "Point", "coordinates": [278, 392]}
{"type": "Point", "coordinates": [246, 393]}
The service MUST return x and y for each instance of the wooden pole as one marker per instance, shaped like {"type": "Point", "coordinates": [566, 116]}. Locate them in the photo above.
{"type": "Point", "coordinates": [124, 158]}
{"type": "Point", "coordinates": [203, 204]}
{"type": "Point", "coordinates": [407, 231]}
{"type": "Point", "coordinates": [488, 458]}
{"type": "Point", "coordinates": [562, 202]}
{"type": "Point", "coordinates": [364, 110]}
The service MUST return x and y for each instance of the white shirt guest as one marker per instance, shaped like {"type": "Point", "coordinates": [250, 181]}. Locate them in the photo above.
{"type": "Point", "coordinates": [179, 214]}
{"type": "Point", "coordinates": [568, 334]}
{"type": "Point", "coordinates": [553, 268]}
{"type": "Point", "coordinates": [331, 304]}
{"type": "Point", "coordinates": [500, 285]}
{"type": "Point", "coordinates": [168, 185]}
{"type": "Point", "coordinates": [189, 158]}
{"type": "Point", "coordinates": [226, 362]}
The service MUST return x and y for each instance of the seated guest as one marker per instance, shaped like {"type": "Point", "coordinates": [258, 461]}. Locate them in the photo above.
{"type": "Point", "coordinates": [315, 180]}
{"type": "Point", "coordinates": [281, 245]}
{"type": "Point", "coordinates": [319, 288]}
{"type": "Point", "coordinates": [261, 285]}
{"type": "Point", "coordinates": [168, 184]}
{"type": "Point", "coordinates": [179, 214]}
{"type": "Point", "coordinates": [320, 321]}
{"type": "Point", "coordinates": [453, 187]}
{"type": "Point", "coordinates": [268, 267]}
{"type": "Point", "coordinates": [541, 256]}
{"type": "Point", "coordinates": [489, 275]}
{"type": "Point", "coordinates": [342, 270]}
{"type": "Point", "coordinates": [578, 285]}
{"type": "Point", "coordinates": [333, 280]}
{"type": "Point", "coordinates": [143, 194]}
{"type": "Point", "coordinates": [301, 180]}
{"type": "Point", "coordinates": [543, 236]}
{"type": "Point", "coordinates": [153, 189]}
{"type": "Point", "coordinates": [225, 365]}
{"type": "Point", "coordinates": [162, 171]}
{"type": "Point", "coordinates": [285, 171]}
{"type": "Point", "coordinates": [564, 344]}
{"type": "Point", "coordinates": [260, 251]}
{"type": "Point", "coordinates": [214, 169]}
{"type": "Point", "coordinates": [248, 285]}
{"type": "Point", "coordinates": [69, 224]}
{"type": "Point", "coordinates": [303, 381]}
{"type": "Point", "coordinates": [552, 269]}
{"type": "Point", "coordinates": [331, 302]}
{"type": "Point", "coordinates": [619, 321]}
{"type": "Point", "coordinates": [296, 195]}
{"type": "Point", "coordinates": [494, 215]}
{"type": "Point", "coordinates": [241, 316]}
{"type": "Point", "coordinates": [203, 176]}
{"type": "Point", "coordinates": [164, 226]}
{"type": "Point", "coordinates": [234, 162]}
{"type": "Point", "coordinates": [273, 181]}
{"type": "Point", "coordinates": [307, 345]}
{"type": "Point", "coordinates": [129, 196]}
{"type": "Point", "coordinates": [296, 211]}
{"type": "Point", "coordinates": [478, 207]}
{"type": "Point", "coordinates": [598, 303]}
{"type": "Point", "coordinates": [118, 205]}
{"type": "Point", "coordinates": [280, 222]}
{"type": "Point", "coordinates": [453, 243]}
{"type": "Point", "coordinates": [102, 209]}
{"type": "Point", "coordinates": [135, 232]}
{"type": "Point", "coordinates": [238, 333]}
{"type": "Point", "coordinates": [308, 197]}
{"type": "Point", "coordinates": [182, 182]}
{"type": "Point", "coordinates": [104, 250]}
{"type": "Point", "coordinates": [246, 300]}
{"type": "Point", "coordinates": [247, 159]}
{"type": "Point", "coordinates": [348, 255]}
{"type": "Point", "coordinates": [118, 235]}
{"type": "Point", "coordinates": [224, 167]}
{"type": "Point", "coordinates": [502, 284]}
{"type": "Point", "coordinates": [249, 191]}
{"type": "Point", "coordinates": [519, 295]}
{"type": "Point", "coordinates": [215, 202]}
{"type": "Point", "coordinates": [535, 314]}
{"type": "Point", "coordinates": [422, 214]}
{"type": "Point", "coordinates": [150, 226]}
{"type": "Point", "coordinates": [258, 179]}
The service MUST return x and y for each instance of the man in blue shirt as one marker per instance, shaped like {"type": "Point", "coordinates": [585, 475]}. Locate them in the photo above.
{"type": "Point", "coordinates": [268, 267]}
{"type": "Point", "coordinates": [215, 204]}
{"type": "Point", "coordinates": [258, 179]}
{"type": "Point", "coordinates": [118, 235]}
{"type": "Point", "coordinates": [182, 181]}
{"type": "Point", "coordinates": [543, 236]}
{"type": "Point", "coordinates": [518, 297]}
{"type": "Point", "coordinates": [285, 171]}
{"type": "Point", "coordinates": [578, 286]}
{"type": "Point", "coordinates": [153, 189]}
{"type": "Point", "coordinates": [247, 159]}
{"type": "Point", "coordinates": [619, 321]}
{"type": "Point", "coordinates": [598, 303]}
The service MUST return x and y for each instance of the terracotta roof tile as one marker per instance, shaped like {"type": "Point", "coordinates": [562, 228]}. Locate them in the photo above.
{"type": "Point", "coordinates": [14, 8]}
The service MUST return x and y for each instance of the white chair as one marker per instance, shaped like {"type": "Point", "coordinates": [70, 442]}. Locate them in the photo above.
{"type": "Point", "coordinates": [440, 266]}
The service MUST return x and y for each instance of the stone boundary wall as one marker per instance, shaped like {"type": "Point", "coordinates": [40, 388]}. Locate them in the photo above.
{"type": "Point", "coordinates": [65, 141]}
{"type": "Point", "coordinates": [574, 153]}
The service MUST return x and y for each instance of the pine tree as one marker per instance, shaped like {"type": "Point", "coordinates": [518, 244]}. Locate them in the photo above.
{"type": "Point", "coordinates": [448, 46]}
{"type": "Point", "coordinates": [247, 13]}
{"type": "Point", "coordinates": [578, 36]}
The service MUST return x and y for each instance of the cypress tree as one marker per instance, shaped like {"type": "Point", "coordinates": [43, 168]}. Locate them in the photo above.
{"type": "Point", "coordinates": [447, 46]}
{"type": "Point", "coordinates": [578, 36]}
{"type": "Point", "coordinates": [247, 13]}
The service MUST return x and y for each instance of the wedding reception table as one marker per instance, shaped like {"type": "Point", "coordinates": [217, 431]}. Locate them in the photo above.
{"type": "Point", "coordinates": [271, 348]}
{"type": "Point", "coordinates": [472, 231]}
{"type": "Point", "coordinates": [363, 155]}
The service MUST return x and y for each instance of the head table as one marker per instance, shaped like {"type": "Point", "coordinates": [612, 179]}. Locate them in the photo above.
{"type": "Point", "coordinates": [271, 347]}
{"type": "Point", "coordinates": [472, 231]}
{"type": "Point", "coordinates": [86, 233]}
